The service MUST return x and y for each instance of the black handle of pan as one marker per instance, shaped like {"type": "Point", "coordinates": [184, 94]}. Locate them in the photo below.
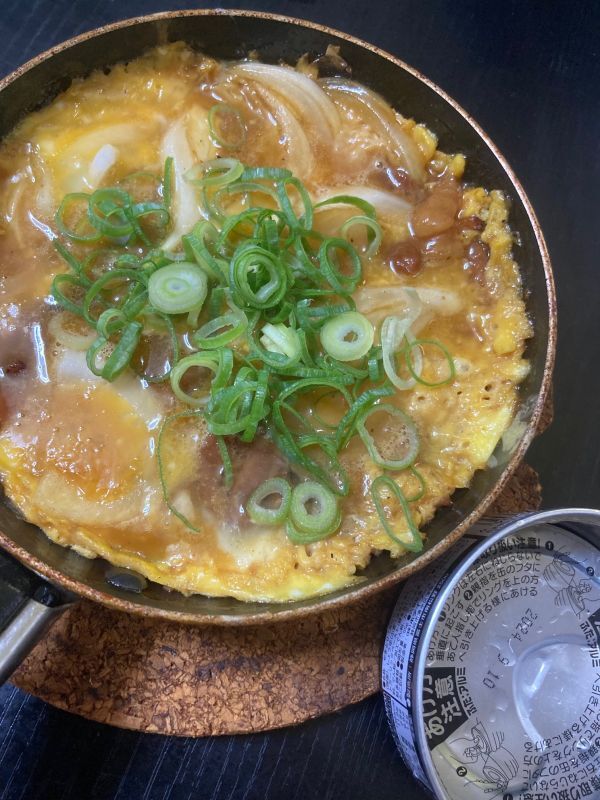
{"type": "Point", "coordinates": [29, 605]}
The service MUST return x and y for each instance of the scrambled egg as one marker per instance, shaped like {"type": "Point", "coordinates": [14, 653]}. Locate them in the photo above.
{"type": "Point", "coordinates": [78, 455]}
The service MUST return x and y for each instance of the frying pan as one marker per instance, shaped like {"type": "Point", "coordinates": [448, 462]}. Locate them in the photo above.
{"type": "Point", "coordinates": [39, 578]}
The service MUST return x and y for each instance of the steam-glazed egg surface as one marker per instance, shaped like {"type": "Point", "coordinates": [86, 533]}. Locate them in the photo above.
{"type": "Point", "coordinates": [254, 327]}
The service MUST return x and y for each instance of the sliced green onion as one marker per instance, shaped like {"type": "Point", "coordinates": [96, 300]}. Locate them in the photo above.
{"type": "Point", "coordinates": [224, 110]}
{"type": "Point", "coordinates": [167, 183]}
{"type": "Point", "coordinates": [265, 173]}
{"type": "Point", "coordinates": [400, 442]}
{"type": "Point", "coordinates": [74, 281]}
{"type": "Point", "coordinates": [195, 245]}
{"type": "Point", "coordinates": [332, 474]}
{"type": "Point", "coordinates": [264, 515]}
{"type": "Point", "coordinates": [115, 276]}
{"type": "Point", "coordinates": [348, 336]}
{"type": "Point", "coordinates": [415, 543]}
{"type": "Point", "coordinates": [393, 333]}
{"type": "Point", "coordinates": [314, 512]}
{"type": "Point", "coordinates": [216, 172]}
{"type": "Point", "coordinates": [121, 355]}
{"type": "Point", "coordinates": [283, 340]}
{"type": "Point", "coordinates": [135, 301]}
{"type": "Point", "coordinates": [257, 277]}
{"type": "Point", "coordinates": [306, 219]}
{"type": "Point", "coordinates": [341, 282]}
{"type": "Point", "coordinates": [347, 425]}
{"type": "Point", "coordinates": [226, 459]}
{"type": "Point", "coordinates": [326, 466]}
{"type": "Point", "coordinates": [374, 234]}
{"type": "Point", "coordinates": [237, 409]}
{"type": "Point", "coordinates": [106, 212]}
{"type": "Point", "coordinates": [259, 407]}
{"type": "Point", "coordinates": [421, 482]}
{"type": "Point", "coordinates": [349, 200]}
{"type": "Point", "coordinates": [75, 265]}
{"type": "Point", "coordinates": [221, 330]}
{"type": "Point", "coordinates": [110, 321]}
{"type": "Point", "coordinates": [208, 361]}
{"type": "Point", "coordinates": [264, 277]}
{"type": "Point", "coordinates": [417, 376]}
{"type": "Point", "coordinates": [373, 364]}
{"type": "Point", "coordinates": [230, 228]}
{"type": "Point", "coordinates": [77, 235]}
{"type": "Point", "coordinates": [306, 384]}
{"type": "Point", "coordinates": [178, 288]}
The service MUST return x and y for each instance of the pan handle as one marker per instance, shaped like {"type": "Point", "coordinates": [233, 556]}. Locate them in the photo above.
{"type": "Point", "coordinates": [29, 605]}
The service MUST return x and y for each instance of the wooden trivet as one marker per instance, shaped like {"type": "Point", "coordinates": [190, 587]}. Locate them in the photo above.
{"type": "Point", "coordinates": [162, 677]}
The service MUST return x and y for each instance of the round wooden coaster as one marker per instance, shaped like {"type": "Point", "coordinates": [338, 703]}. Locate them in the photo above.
{"type": "Point", "coordinates": [161, 677]}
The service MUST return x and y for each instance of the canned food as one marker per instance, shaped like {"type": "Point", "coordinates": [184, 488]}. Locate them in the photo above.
{"type": "Point", "coordinates": [491, 664]}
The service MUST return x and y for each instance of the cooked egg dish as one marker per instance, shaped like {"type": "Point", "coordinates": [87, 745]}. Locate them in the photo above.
{"type": "Point", "coordinates": [254, 327]}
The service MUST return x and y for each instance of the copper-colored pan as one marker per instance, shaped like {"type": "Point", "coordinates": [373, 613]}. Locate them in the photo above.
{"type": "Point", "coordinates": [233, 34]}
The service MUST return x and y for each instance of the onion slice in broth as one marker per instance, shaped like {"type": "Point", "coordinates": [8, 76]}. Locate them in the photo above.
{"type": "Point", "coordinates": [305, 97]}
{"type": "Point", "coordinates": [347, 93]}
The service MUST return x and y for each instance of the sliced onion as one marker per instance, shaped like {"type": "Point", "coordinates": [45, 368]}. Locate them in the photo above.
{"type": "Point", "coordinates": [301, 93]}
{"type": "Point", "coordinates": [185, 210]}
{"type": "Point", "coordinates": [386, 204]}
{"type": "Point", "coordinates": [105, 158]}
{"type": "Point", "coordinates": [378, 302]}
{"type": "Point", "coordinates": [71, 339]}
{"type": "Point", "coordinates": [300, 155]}
{"type": "Point", "coordinates": [384, 117]}
{"type": "Point", "coordinates": [393, 333]}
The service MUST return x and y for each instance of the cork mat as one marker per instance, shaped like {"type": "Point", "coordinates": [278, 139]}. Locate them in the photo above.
{"type": "Point", "coordinates": [161, 677]}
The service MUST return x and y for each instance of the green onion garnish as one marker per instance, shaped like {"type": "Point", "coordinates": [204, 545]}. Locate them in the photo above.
{"type": "Point", "coordinates": [415, 542]}
{"type": "Point", "coordinates": [348, 336]}
{"type": "Point", "coordinates": [374, 233]}
{"type": "Point", "coordinates": [226, 126]}
{"type": "Point", "coordinates": [177, 288]}
{"type": "Point", "coordinates": [265, 301]}
{"type": "Point", "coordinates": [206, 361]}
{"type": "Point", "coordinates": [399, 437]}
{"type": "Point", "coordinates": [418, 376]}
{"type": "Point", "coordinates": [266, 515]}
{"type": "Point", "coordinates": [220, 331]}
{"type": "Point", "coordinates": [281, 341]}
{"type": "Point", "coordinates": [314, 513]}
{"type": "Point", "coordinates": [217, 172]}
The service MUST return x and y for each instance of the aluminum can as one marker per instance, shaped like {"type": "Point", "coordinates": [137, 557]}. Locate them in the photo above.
{"type": "Point", "coordinates": [491, 664]}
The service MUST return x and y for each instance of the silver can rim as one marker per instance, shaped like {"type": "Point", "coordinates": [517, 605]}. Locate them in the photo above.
{"type": "Point", "coordinates": [512, 525]}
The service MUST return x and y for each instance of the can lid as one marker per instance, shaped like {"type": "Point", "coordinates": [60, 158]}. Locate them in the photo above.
{"type": "Point", "coordinates": [505, 692]}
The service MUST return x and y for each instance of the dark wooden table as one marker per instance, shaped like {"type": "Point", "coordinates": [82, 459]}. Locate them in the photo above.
{"type": "Point", "coordinates": [529, 71]}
